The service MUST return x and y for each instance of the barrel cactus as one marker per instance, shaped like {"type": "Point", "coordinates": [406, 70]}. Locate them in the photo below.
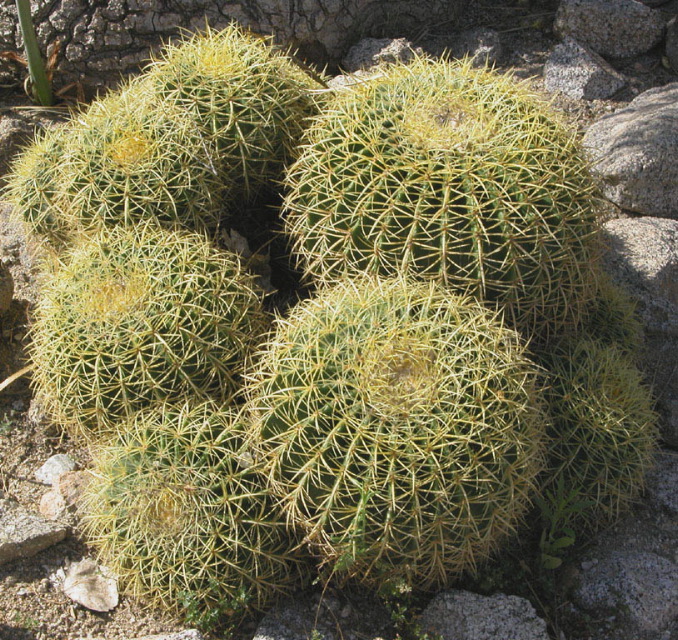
{"type": "Point", "coordinates": [245, 96]}
{"type": "Point", "coordinates": [401, 429]}
{"type": "Point", "coordinates": [33, 186]}
{"type": "Point", "coordinates": [603, 430]}
{"type": "Point", "coordinates": [176, 507]}
{"type": "Point", "coordinates": [461, 175]}
{"type": "Point", "coordinates": [131, 158]}
{"type": "Point", "coordinates": [133, 316]}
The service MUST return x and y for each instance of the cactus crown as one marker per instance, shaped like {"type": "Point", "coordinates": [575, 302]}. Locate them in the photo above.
{"type": "Point", "coordinates": [133, 158]}
{"type": "Point", "coordinates": [401, 428]}
{"type": "Point", "coordinates": [442, 171]}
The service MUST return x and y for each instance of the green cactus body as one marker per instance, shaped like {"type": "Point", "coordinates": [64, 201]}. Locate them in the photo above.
{"type": "Point", "coordinates": [131, 157]}
{"type": "Point", "coordinates": [612, 318]}
{"type": "Point", "coordinates": [177, 508]}
{"type": "Point", "coordinates": [245, 96]}
{"type": "Point", "coordinates": [133, 316]}
{"type": "Point", "coordinates": [603, 430]}
{"type": "Point", "coordinates": [442, 171]}
{"type": "Point", "coordinates": [33, 186]}
{"type": "Point", "coordinates": [401, 429]}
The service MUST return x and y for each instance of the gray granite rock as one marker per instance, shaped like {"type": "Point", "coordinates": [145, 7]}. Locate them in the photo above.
{"type": "Point", "coordinates": [580, 73]}
{"type": "Point", "coordinates": [53, 467]}
{"type": "Point", "coordinates": [24, 534]}
{"type": "Point", "coordinates": [641, 254]}
{"type": "Point", "coordinates": [672, 43]}
{"type": "Point", "coordinates": [639, 590]}
{"type": "Point", "coordinates": [370, 52]}
{"type": "Point", "coordinates": [482, 46]}
{"type": "Point", "coordinates": [634, 152]}
{"type": "Point", "coordinates": [615, 28]}
{"type": "Point", "coordinates": [461, 615]}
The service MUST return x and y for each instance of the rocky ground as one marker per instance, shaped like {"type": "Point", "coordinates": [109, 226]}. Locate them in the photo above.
{"type": "Point", "coordinates": [33, 605]}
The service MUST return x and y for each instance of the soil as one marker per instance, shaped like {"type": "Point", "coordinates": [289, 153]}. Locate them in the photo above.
{"type": "Point", "coordinates": [32, 606]}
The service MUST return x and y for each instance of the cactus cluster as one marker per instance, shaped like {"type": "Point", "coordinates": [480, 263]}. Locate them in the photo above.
{"type": "Point", "coordinates": [401, 428]}
{"type": "Point", "coordinates": [462, 353]}
{"type": "Point", "coordinates": [205, 127]}
{"type": "Point", "coordinates": [176, 506]}
{"type": "Point", "coordinates": [137, 315]}
{"type": "Point", "coordinates": [452, 173]}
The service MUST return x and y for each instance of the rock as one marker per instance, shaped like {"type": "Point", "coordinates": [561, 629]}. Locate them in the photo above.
{"type": "Point", "coordinates": [461, 615]}
{"type": "Point", "coordinates": [101, 44]}
{"type": "Point", "coordinates": [65, 495]}
{"type": "Point", "coordinates": [71, 486]}
{"type": "Point", "coordinates": [6, 288]}
{"type": "Point", "coordinates": [640, 589]}
{"type": "Point", "coordinates": [316, 615]}
{"type": "Point", "coordinates": [634, 152]}
{"type": "Point", "coordinates": [370, 52]}
{"type": "Point", "coordinates": [672, 43]}
{"type": "Point", "coordinates": [188, 634]}
{"type": "Point", "coordinates": [24, 534]}
{"type": "Point", "coordinates": [641, 254]}
{"type": "Point", "coordinates": [615, 28]}
{"type": "Point", "coordinates": [92, 586]}
{"type": "Point", "coordinates": [56, 465]}
{"type": "Point", "coordinates": [661, 491]}
{"type": "Point", "coordinates": [52, 505]}
{"type": "Point", "coordinates": [482, 46]}
{"type": "Point", "coordinates": [580, 73]}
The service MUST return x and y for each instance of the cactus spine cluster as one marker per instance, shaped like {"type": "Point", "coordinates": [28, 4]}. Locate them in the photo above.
{"type": "Point", "coordinates": [443, 171]}
{"type": "Point", "coordinates": [176, 507]}
{"type": "Point", "coordinates": [134, 316]}
{"type": "Point", "coordinates": [401, 429]}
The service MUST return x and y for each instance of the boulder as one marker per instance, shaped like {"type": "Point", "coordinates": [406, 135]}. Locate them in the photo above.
{"type": "Point", "coordinates": [622, 585]}
{"type": "Point", "coordinates": [614, 28]}
{"type": "Point", "coordinates": [370, 52]}
{"type": "Point", "coordinates": [634, 153]}
{"type": "Point", "coordinates": [461, 615]}
{"type": "Point", "coordinates": [24, 533]}
{"type": "Point", "coordinates": [641, 254]}
{"type": "Point", "coordinates": [636, 590]}
{"type": "Point", "coordinates": [580, 73]}
{"type": "Point", "coordinates": [101, 40]}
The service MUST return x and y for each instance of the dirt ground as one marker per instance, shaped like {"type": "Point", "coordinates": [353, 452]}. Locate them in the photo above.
{"type": "Point", "coordinates": [32, 606]}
